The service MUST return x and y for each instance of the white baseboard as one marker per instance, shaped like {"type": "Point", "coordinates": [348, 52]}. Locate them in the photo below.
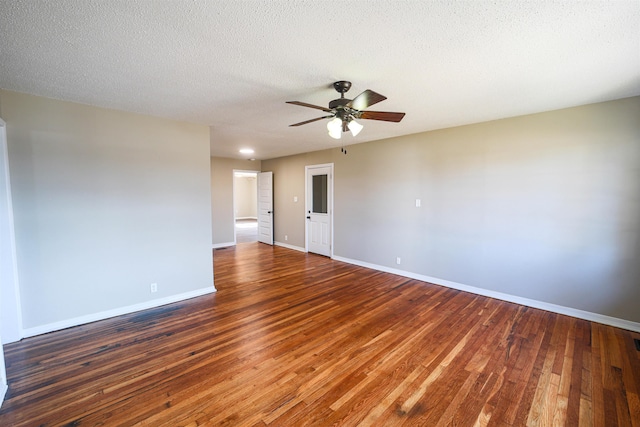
{"type": "Point", "coordinates": [43, 329]}
{"type": "Point", "coordinates": [222, 245]}
{"type": "Point", "coordinates": [288, 246]}
{"type": "Point", "coordinates": [568, 311]}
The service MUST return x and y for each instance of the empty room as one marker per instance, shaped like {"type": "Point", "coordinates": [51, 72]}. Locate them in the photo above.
{"type": "Point", "coordinates": [296, 213]}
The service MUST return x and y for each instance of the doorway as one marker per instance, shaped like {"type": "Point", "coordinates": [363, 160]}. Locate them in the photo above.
{"type": "Point", "coordinates": [319, 209]}
{"type": "Point", "coordinates": [245, 206]}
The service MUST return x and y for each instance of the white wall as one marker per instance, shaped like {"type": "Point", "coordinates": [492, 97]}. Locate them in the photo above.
{"type": "Point", "coordinates": [105, 203]}
{"type": "Point", "coordinates": [544, 207]}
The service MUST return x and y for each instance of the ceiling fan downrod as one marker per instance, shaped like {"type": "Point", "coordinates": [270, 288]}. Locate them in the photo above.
{"type": "Point", "coordinates": [341, 87]}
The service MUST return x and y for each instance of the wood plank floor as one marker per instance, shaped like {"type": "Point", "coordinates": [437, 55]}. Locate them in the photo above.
{"type": "Point", "coordinates": [293, 339]}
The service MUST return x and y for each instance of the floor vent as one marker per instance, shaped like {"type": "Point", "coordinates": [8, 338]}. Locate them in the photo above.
{"type": "Point", "coordinates": [637, 341]}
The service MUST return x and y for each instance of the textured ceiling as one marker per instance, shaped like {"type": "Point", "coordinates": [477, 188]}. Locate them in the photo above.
{"type": "Point", "coordinates": [233, 64]}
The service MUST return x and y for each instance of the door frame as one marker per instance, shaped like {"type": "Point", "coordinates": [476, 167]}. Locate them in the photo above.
{"type": "Point", "coordinates": [233, 194]}
{"type": "Point", "coordinates": [329, 201]}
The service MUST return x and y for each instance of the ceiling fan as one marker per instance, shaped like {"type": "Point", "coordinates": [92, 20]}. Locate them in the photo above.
{"type": "Point", "coordinates": [344, 112]}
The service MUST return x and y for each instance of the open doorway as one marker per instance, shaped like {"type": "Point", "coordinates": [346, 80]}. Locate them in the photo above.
{"type": "Point", "coordinates": [245, 206]}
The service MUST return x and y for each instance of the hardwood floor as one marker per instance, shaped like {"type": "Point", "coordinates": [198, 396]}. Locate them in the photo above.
{"type": "Point", "coordinates": [292, 339]}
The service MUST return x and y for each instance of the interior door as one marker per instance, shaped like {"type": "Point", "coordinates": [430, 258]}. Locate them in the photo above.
{"type": "Point", "coordinates": [319, 203]}
{"type": "Point", "coordinates": [265, 207]}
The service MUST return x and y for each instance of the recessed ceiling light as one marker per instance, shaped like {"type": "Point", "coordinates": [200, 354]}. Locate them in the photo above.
{"type": "Point", "coordinates": [246, 151]}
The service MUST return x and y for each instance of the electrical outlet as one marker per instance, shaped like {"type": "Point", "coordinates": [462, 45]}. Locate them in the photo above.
{"type": "Point", "coordinates": [286, 237]}
{"type": "Point", "coordinates": [398, 260]}
{"type": "Point", "coordinates": [295, 199]}
{"type": "Point", "coordinates": [153, 287]}
{"type": "Point", "coordinates": [418, 203]}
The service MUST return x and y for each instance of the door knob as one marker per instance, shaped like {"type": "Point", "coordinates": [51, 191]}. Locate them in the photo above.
{"type": "Point", "coordinates": [308, 217]}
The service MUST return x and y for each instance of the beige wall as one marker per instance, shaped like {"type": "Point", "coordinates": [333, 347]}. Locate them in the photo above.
{"type": "Point", "coordinates": [245, 189]}
{"type": "Point", "coordinates": [105, 203]}
{"type": "Point", "coordinates": [544, 206]}
{"type": "Point", "coordinates": [222, 221]}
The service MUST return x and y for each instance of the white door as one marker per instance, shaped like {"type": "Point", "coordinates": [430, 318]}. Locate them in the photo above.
{"type": "Point", "coordinates": [265, 207]}
{"type": "Point", "coordinates": [319, 203]}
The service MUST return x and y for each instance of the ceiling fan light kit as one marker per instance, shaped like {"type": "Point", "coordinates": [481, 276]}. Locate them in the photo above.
{"type": "Point", "coordinates": [343, 112]}
{"type": "Point", "coordinates": [354, 127]}
{"type": "Point", "coordinates": [334, 126]}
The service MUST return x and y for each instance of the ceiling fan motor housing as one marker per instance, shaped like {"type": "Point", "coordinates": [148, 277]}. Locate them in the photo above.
{"type": "Point", "coordinates": [340, 102]}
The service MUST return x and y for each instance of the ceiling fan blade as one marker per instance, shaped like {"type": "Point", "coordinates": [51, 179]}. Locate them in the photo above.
{"type": "Point", "coordinates": [365, 100]}
{"type": "Point", "coordinates": [309, 121]}
{"type": "Point", "coordinates": [304, 104]}
{"type": "Point", "coordinates": [382, 115]}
